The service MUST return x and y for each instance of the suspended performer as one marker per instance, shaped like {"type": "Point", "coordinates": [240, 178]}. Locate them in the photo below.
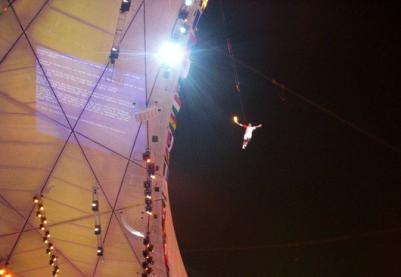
{"type": "Point", "coordinates": [248, 131]}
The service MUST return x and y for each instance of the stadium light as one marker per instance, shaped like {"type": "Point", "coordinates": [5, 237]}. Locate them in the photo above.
{"type": "Point", "coordinates": [171, 54]}
{"type": "Point", "coordinates": [43, 220]}
{"type": "Point", "coordinates": [183, 29]}
{"type": "Point", "coordinates": [99, 251]}
{"type": "Point", "coordinates": [53, 258]}
{"type": "Point", "coordinates": [35, 200]}
{"type": "Point", "coordinates": [125, 5]}
{"type": "Point", "coordinates": [149, 259]}
{"type": "Point", "coordinates": [98, 229]}
{"type": "Point", "coordinates": [95, 205]}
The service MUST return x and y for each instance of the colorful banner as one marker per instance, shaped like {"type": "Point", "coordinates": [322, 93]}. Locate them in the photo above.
{"type": "Point", "coordinates": [176, 104]}
{"type": "Point", "coordinates": [170, 130]}
{"type": "Point", "coordinates": [172, 122]}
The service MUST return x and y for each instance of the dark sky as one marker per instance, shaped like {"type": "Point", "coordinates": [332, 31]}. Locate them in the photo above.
{"type": "Point", "coordinates": [310, 196]}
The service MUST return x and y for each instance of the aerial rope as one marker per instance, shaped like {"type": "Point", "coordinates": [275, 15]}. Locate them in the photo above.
{"type": "Point", "coordinates": [249, 128]}
{"type": "Point", "coordinates": [304, 243]}
{"type": "Point", "coordinates": [232, 58]}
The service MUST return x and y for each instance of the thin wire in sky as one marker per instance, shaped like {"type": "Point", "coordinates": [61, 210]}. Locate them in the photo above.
{"type": "Point", "coordinates": [232, 59]}
{"type": "Point", "coordinates": [319, 107]}
{"type": "Point", "coordinates": [296, 244]}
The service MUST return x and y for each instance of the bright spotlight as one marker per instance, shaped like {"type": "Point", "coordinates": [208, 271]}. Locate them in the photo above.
{"type": "Point", "coordinates": [183, 29]}
{"type": "Point", "coordinates": [189, 2]}
{"type": "Point", "coordinates": [171, 54]}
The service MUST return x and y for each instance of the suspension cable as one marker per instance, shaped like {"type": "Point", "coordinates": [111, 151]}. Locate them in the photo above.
{"type": "Point", "coordinates": [232, 58]}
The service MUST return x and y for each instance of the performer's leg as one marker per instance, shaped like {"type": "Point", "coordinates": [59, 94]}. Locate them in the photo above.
{"type": "Point", "coordinates": [245, 143]}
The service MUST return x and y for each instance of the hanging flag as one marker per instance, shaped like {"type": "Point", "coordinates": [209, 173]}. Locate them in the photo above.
{"type": "Point", "coordinates": [185, 68]}
{"type": "Point", "coordinates": [167, 147]}
{"type": "Point", "coordinates": [166, 156]}
{"type": "Point", "coordinates": [203, 5]}
{"type": "Point", "coordinates": [172, 126]}
{"type": "Point", "coordinates": [169, 140]}
{"type": "Point", "coordinates": [192, 38]}
{"type": "Point", "coordinates": [176, 104]}
{"type": "Point", "coordinates": [172, 123]}
{"type": "Point", "coordinates": [196, 20]}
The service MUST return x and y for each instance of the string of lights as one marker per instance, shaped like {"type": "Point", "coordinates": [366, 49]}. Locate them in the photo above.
{"type": "Point", "coordinates": [50, 250]}
{"type": "Point", "coordinates": [146, 264]}
{"type": "Point", "coordinates": [115, 48]}
{"type": "Point", "coordinates": [151, 169]}
{"type": "Point", "coordinates": [164, 215]}
{"type": "Point", "coordinates": [98, 227]}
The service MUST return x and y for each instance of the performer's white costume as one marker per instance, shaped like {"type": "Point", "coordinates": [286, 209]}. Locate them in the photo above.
{"type": "Point", "coordinates": [248, 131]}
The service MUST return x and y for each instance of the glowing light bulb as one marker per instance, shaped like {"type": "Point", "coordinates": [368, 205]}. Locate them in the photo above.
{"type": "Point", "coordinates": [171, 54]}
{"type": "Point", "coordinates": [183, 30]}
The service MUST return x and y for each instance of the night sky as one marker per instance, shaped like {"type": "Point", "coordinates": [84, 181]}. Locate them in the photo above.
{"type": "Point", "coordinates": [310, 196]}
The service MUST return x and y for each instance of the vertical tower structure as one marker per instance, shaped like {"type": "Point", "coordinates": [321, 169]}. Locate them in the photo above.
{"type": "Point", "coordinates": [85, 136]}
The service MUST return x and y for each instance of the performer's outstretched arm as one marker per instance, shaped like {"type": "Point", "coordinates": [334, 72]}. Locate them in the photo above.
{"type": "Point", "coordinates": [258, 126]}
{"type": "Point", "coordinates": [239, 124]}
